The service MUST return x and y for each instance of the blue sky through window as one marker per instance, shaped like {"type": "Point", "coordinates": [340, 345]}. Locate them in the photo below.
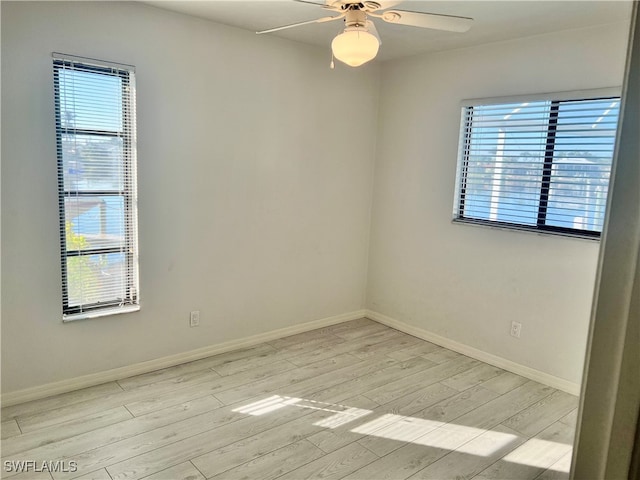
{"type": "Point", "coordinates": [90, 100]}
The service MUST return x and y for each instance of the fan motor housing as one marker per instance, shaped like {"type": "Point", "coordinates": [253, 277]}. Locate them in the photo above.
{"type": "Point", "coordinates": [355, 18]}
{"type": "Point", "coordinates": [367, 6]}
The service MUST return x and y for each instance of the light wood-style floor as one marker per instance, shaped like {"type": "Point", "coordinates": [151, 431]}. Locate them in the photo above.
{"type": "Point", "coordinates": [356, 401]}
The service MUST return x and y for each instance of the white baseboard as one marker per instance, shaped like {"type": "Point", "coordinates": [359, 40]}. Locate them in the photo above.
{"type": "Point", "coordinates": [531, 373]}
{"type": "Point", "coordinates": [63, 386]}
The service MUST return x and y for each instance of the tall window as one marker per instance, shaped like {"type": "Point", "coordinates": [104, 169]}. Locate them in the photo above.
{"type": "Point", "coordinates": [95, 130]}
{"type": "Point", "coordinates": [542, 165]}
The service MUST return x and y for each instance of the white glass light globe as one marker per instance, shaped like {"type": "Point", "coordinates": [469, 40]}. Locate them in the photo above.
{"type": "Point", "coordinates": [355, 47]}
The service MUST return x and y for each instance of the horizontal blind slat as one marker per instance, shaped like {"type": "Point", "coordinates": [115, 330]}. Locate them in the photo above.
{"type": "Point", "coordinates": [95, 110]}
{"type": "Point", "coordinates": [505, 153]}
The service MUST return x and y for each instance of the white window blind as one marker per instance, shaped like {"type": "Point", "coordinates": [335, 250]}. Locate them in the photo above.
{"type": "Point", "coordinates": [541, 165]}
{"type": "Point", "coordinates": [95, 129]}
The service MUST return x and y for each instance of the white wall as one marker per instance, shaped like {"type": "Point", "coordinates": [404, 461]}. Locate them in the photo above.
{"type": "Point", "coordinates": [257, 214]}
{"type": "Point", "coordinates": [464, 282]}
{"type": "Point", "coordinates": [254, 194]}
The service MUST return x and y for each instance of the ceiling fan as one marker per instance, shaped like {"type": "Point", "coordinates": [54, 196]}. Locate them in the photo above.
{"type": "Point", "coordinates": [359, 42]}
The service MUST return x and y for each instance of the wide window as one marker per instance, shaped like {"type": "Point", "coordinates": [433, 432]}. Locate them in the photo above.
{"type": "Point", "coordinates": [95, 129]}
{"type": "Point", "coordinates": [540, 165]}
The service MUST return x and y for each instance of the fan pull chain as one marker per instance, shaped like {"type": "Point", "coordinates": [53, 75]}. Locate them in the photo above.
{"type": "Point", "coordinates": [332, 65]}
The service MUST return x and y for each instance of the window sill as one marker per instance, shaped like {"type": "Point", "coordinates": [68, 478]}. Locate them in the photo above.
{"type": "Point", "coordinates": [524, 229]}
{"type": "Point", "coordinates": [100, 313]}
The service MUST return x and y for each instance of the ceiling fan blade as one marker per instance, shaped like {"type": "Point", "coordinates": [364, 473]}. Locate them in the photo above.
{"type": "Point", "coordinates": [373, 30]}
{"type": "Point", "coordinates": [326, 6]}
{"type": "Point", "coordinates": [299, 24]}
{"type": "Point", "coordinates": [450, 23]}
{"type": "Point", "coordinates": [386, 4]}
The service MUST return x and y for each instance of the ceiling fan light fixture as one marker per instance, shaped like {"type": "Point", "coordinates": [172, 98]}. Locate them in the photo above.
{"type": "Point", "coordinates": [355, 46]}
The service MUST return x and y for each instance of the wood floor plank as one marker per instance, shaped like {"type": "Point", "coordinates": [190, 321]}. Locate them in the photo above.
{"type": "Point", "coordinates": [274, 464]}
{"type": "Point", "coordinates": [358, 401]}
{"type": "Point", "coordinates": [400, 465]}
{"type": "Point", "coordinates": [505, 382]}
{"type": "Point", "coordinates": [258, 352]}
{"type": "Point", "coordinates": [154, 440]}
{"type": "Point", "coordinates": [97, 475]}
{"type": "Point", "coordinates": [296, 352]}
{"type": "Point", "coordinates": [313, 350]}
{"type": "Point", "coordinates": [472, 377]}
{"type": "Point", "coordinates": [570, 418]}
{"type": "Point", "coordinates": [448, 437]}
{"type": "Point", "coordinates": [61, 431]}
{"type": "Point", "coordinates": [474, 456]}
{"type": "Point", "coordinates": [31, 475]}
{"type": "Point", "coordinates": [496, 411]}
{"type": "Point", "coordinates": [390, 432]}
{"type": "Point", "coordinates": [9, 428]}
{"type": "Point", "coordinates": [420, 399]}
{"type": "Point", "coordinates": [362, 331]}
{"type": "Point", "coordinates": [335, 465]}
{"type": "Point", "coordinates": [337, 433]}
{"type": "Point", "coordinates": [403, 409]}
{"type": "Point", "coordinates": [57, 401]}
{"type": "Point", "coordinates": [333, 439]}
{"type": "Point", "coordinates": [559, 470]}
{"type": "Point", "coordinates": [170, 419]}
{"type": "Point", "coordinates": [317, 354]}
{"type": "Point", "coordinates": [242, 451]}
{"type": "Point", "coordinates": [345, 380]}
{"type": "Point", "coordinates": [443, 355]}
{"type": "Point", "coordinates": [457, 405]}
{"type": "Point", "coordinates": [343, 386]}
{"type": "Point", "coordinates": [352, 400]}
{"type": "Point", "coordinates": [183, 395]}
{"type": "Point", "coordinates": [557, 433]}
{"type": "Point", "coordinates": [210, 387]}
{"type": "Point", "coordinates": [405, 385]}
{"type": "Point", "coordinates": [197, 367]}
{"type": "Point", "coordinates": [274, 382]}
{"type": "Point", "coordinates": [330, 440]}
{"type": "Point", "coordinates": [420, 349]}
{"type": "Point", "coordinates": [244, 364]}
{"type": "Point", "coordinates": [443, 411]}
{"type": "Point", "coordinates": [56, 416]}
{"type": "Point", "coordinates": [398, 341]}
{"type": "Point", "coordinates": [182, 471]}
{"type": "Point", "coordinates": [543, 413]}
{"type": "Point", "coordinates": [350, 325]}
{"type": "Point", "coordinates": [305, 341]}
{"type": "Point", "coordinates": [533, 457]}
{"type": "Point", "coordinates": [204, 439]}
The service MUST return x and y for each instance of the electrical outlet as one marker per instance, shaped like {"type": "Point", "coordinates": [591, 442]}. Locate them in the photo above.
{"type": "Point", "coordinates": [194, 319]}
{"type": "Point", "coordinates": [516, 328]}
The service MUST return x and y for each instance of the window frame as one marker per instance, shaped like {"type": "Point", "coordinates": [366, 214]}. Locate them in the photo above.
{"type": "Point", "coordinates": [128, 192]}
{"type": "Point", "coordinates": [463, 154]}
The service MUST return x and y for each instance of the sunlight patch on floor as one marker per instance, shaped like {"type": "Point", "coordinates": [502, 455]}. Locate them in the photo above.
{"type": "Point", "coordinates": [342, 418]}
{"type": "Point", "coordinates": [564, 464]}
{"type": "Point", "coordinates": [490, 443]}
{"type": "Point", "coordinates": [534, 452]}
{"type": "Point", "coordinates": [267, 405]}
{"type": "Point", "coordinates": [538, 453]}
{"type": "Point", "coordinates": [397, 427]}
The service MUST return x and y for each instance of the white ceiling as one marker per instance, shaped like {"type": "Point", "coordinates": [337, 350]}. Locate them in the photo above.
{"type": "Point", "coordinates": [494, 20]}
